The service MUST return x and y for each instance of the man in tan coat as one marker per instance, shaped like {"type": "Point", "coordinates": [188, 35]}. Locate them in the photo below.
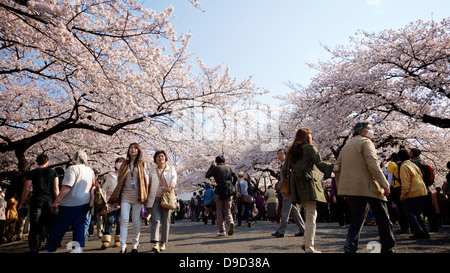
{"type": "Point", "coordinates": [363, 183]}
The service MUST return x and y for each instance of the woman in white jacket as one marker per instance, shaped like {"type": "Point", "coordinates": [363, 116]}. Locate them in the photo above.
{"type": "Point", "coordinates": [162, 177]}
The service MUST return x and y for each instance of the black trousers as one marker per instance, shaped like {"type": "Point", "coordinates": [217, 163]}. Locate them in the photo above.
{"type": "Point", "coordinates": [359, 207]}
{"type": "Point", "coordinates": [402, 218]}
{"type": "Point", "coordinates": [414, 210]}
{"type": "Point", "coordinates": [430, 212]}
{"type": "Point", "coordinates": [41, 220]}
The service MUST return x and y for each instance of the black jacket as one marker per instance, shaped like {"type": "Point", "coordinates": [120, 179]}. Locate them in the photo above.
{"type": "Point", "coordinates": [221, 174]}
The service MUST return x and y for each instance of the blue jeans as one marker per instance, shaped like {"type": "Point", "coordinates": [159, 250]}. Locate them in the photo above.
{"type": "Point", "coordinates": [68, 216]}
{"type": "Point", "coordinates": [245, 214]}
{"type": "Point", "coordinates": [87, 223]}
{"type": "Point", "coordinates": [125, 209]}
{"type": "Point", "coordinates": [112, 217]}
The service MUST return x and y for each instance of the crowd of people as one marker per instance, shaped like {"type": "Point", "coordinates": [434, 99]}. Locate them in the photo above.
{"type": "Point", "coordinates": [71, 201]}
{"type": "Point", "coordinates": [363, 190]}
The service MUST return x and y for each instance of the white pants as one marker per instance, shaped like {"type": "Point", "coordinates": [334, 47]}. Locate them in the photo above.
{"type": "Point", "coordinates": [310, 226]}
{"type": "Point", "coordinates": [125, 209]}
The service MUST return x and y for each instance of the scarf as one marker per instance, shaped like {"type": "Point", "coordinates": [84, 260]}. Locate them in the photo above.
{"type": "Point", "coordinates": [122, 174]}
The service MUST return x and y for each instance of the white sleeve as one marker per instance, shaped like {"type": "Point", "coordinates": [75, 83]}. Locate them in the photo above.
{"type": "Point", "coordinates": [69, 177]}
{"type": "Point", "coordinates": [390, 176]}
{"type": "Point", "coordinates": [174, 175]}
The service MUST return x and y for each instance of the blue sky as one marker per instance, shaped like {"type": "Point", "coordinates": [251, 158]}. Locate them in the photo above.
{"type": "Point", "coordinates": [273, 40]}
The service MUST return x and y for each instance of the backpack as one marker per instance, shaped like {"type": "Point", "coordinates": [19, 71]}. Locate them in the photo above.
{"type": "Point", "coordinates": [100, 204]}
{"type": "Point", "coordinates": [249, 188]}
{"type": "Point", "coordinates": [427, 173]}
{"type": "Point", "coordinates": [399, 164]}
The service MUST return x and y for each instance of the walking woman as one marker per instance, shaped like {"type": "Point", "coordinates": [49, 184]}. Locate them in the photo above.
{"type": "Point", "coordinates": [162, 178]}
{"type": "Point", "coordinates": [131, 193]}
{"type": "Point", "coordinates": [303, 163]}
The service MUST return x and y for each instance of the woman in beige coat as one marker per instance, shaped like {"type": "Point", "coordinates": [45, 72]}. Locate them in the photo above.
{"type": "Point", "coordinates": [272, 203]}
{"type": "Point", "coordinates": [363, 183]}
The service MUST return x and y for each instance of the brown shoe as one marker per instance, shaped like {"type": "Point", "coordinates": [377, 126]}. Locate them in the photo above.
{"type": "Point", "coordinates": [117, 240]}
{"type": "Point", "coordinates": [105, 241]}
{"type": "Point", "coordinates": [231, 229]}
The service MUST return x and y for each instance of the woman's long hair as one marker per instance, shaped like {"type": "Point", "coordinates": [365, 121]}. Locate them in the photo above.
{"type": "Point", "coordinates": [139, 155]}
{"type": "Point", "coordinates": [295, 152]}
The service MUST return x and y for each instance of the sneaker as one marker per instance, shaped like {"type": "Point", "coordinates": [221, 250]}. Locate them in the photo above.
{"type": "Point", "coordinates": [77, 250]}
{"type": "Point", "coordinates": [221, 233]}
{"type": "Point", "coordinates": [278, 235]}
{"type": "Point", "coordinates": [231, 229]}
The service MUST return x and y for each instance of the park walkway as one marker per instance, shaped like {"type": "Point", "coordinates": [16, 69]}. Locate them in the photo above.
{"type": "Point", "coordinates": [195, 237]}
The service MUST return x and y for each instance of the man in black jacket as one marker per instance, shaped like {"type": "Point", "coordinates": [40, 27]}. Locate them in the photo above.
{"type": "Point", "coordinates": [225, 179]}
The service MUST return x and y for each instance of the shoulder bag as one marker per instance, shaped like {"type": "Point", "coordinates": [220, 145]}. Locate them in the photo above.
{"type": "Point", "coordinates": [168, 200]}
{"type": "Point", "coordinates": [245, 198]}
{"type": "Point", "coordinates": [226, 189]}
{"type": "Point", "coordinates": [100, 203]}
{"type": "Point", "coordinates": [285, 188]}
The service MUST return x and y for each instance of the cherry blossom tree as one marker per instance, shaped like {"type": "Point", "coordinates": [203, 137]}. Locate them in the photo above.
{"type": "Point", "coordinates": [247, 136]}
{"type": "Point", "coordinates": [398, 79]}
{"type": "Point", "coordinates": [98, 75]}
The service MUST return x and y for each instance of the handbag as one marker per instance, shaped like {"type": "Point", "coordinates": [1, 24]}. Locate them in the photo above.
{"type": "Point", "coordinates": [144, 213]}
{"type": "Point", "coordinates": [255, 211]}
{"type": "Point", "coordinates": [245, 198]}
{"type": "Point", "coordinates": [168, 199]}
{"type": "Point", "coordinates": [285, 188]}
